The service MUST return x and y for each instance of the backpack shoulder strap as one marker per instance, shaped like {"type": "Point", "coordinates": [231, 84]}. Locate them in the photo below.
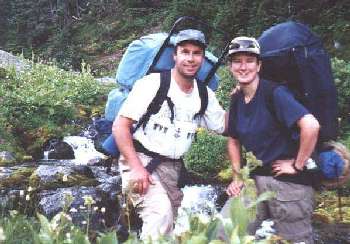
{"type": "Point", "coordinates": [159, 98]}
{"type": "Point", "coordinates": [203, 95]}
{"type": "Point", "coordinates": [269, 88]}
{"type": "Point", "coordinates": [233, 109]}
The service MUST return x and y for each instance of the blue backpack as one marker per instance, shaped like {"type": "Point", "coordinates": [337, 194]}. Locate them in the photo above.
{"type": "Point", "coordinates": [292, 54]}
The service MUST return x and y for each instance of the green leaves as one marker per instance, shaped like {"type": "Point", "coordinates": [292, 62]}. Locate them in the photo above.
{"type": "Point", "coordinates": [43, 101]}
{"type": "Point", "coordinates": [107, 238]}
{"type": "Point", "coordinates": [341, 72]}
{"type": "Point", "coordinates": [207, 155]}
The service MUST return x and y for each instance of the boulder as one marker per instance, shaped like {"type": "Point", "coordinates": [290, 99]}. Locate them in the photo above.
{"type": "Point", "coordinates": [6, 157]}
{"type": "Point", "coordinates": [7, 60]}
{"type": "Point", "coordinates": [58, 149]}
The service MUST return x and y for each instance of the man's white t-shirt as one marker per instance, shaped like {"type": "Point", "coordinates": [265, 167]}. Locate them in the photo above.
{"type": "Point", "coordinates": [160, 134]}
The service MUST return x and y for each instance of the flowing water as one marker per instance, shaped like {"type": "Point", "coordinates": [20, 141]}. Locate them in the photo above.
{"type": "Point", "coordinates": [200, 200]}
{"type": "Point", "coordinates": [84, 150]}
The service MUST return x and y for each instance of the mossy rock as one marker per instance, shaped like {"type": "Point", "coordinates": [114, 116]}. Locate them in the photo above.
{"type": "Point", "coordinates": [19, 178]}
{"type": "Point", "coordinates": [6, 162]}
{"type": "Point", "coordinates": [62, 181]}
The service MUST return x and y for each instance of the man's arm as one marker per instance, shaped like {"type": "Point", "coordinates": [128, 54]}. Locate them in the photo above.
{"type": "Point", "coordinates": [234, 153]}
{"type": "Point", "coordinates": [121, 131]}
{"type": "Point", "coordinates": [214, 117]}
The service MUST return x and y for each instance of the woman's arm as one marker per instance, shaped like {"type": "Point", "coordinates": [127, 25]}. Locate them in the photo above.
{"type": "Point", "coordinates": [234, 153]}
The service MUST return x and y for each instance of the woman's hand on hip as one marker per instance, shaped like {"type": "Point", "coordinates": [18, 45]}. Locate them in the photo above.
{"type": "Point", "coordinates": [285, 166]}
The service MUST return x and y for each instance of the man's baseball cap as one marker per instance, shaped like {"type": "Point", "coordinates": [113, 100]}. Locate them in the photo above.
{"type": "Point", "coordinates": [244, 44]}
{"type": "Point", "coordinates": [190, 35]}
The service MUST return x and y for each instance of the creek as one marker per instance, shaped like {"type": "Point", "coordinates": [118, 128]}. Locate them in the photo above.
{"type": "Point", "coordinates": [51, 180]}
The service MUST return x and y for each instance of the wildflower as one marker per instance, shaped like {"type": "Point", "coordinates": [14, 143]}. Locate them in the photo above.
{"type": "Point", "coordinates": [68, 236]}
{"type": "Point", "coordinates": [68, 196]}
{"type": "Point", "coordinates": [13, 213]}
{"type": "Point", "coordinates": [65, 178]}
{"type": "Point", "coordinates": [30, 189]}
{"type": "Point", "coordinates": [266, 230]}
{"type": "Point", "coordinates": [27, 197]}
{"type": "Point", "coordinates": [73, 210]}
{"type": "Point", "coordinates": [88, 200]}
{"type": "Point", "coordinates": [95, 208]}
{"type": "Point", "coordinates": [200, 130]}
{"type": "Point", "coordinates": [224, 221]}
{"type": "Point", "coordinates": [67, 216]}
{"type": "Point", "coordinates": [203, 218]}
{"type": "Point", "coordinates": [103, 209]}
{"type": "Point", "coordinates": [2, 234]}
{"type": "Point", "coordinates": [21, 193]}
{"type": "Point", "coordinates": [54, 225]}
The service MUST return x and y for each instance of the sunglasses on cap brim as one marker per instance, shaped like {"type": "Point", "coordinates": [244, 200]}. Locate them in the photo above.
{"type": "Point", "coordinates": [243, 44]}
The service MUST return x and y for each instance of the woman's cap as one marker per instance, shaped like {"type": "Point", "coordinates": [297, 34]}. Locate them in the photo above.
{"type": "Point", "coordinates": [244, 44]}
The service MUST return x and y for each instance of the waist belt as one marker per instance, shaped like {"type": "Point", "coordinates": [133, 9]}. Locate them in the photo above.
{"type": "Point", "coordinates": [156, 157]}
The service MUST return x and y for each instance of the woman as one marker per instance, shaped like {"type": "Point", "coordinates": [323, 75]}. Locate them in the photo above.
{"type": "Point", "coordinates": [262, 119]}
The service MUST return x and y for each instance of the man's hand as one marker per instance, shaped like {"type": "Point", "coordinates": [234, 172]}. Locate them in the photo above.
{"type": "Point", "coordinates": [234, 189]}
{"type": "Point", "coordinates": [140, 180]}
{"type": "Point", "coordinates": [280, 167]}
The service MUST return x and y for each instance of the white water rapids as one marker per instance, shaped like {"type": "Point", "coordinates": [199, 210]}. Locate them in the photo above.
{"type": "Point", "coordinates": [198, 200]}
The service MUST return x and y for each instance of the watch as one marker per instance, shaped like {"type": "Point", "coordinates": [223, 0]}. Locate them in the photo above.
{"type": "Point", "coordinates": [296, 169]}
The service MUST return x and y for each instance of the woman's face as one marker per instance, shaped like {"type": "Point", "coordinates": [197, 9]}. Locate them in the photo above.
{"type": "Point", "coordinates": [245, 67]}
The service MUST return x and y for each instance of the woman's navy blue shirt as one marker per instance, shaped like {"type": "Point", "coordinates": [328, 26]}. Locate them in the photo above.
{"type": "Point", "coordinates": [266, 131]}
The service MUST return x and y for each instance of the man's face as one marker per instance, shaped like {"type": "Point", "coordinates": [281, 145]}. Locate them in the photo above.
{"type": "Point", "coordinates": [245, 67]}
{"type": "Point", "coordinates": [188, 59]}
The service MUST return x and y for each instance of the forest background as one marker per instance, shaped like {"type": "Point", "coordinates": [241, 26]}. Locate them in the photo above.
{"type": "Point", "coordinates": [69, 33]}
{"type": "Point", "coordinates": [69, 43]}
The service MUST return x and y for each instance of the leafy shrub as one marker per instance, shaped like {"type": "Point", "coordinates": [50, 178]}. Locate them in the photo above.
{"type": "Point", "coordinates": [46, 101]}
{"type": "Point", "coordinates": [207, 155]}
{"type": "Point", "coordinates": [341, 72]}
{"type": "Point", "coordinates": [227, 83]}
{"type": "Point", "coordinates": [17, 228]}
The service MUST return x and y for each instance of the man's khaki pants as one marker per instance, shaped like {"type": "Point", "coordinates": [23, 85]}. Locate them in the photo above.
{"type": "Point", "coordinates": [158, 207]}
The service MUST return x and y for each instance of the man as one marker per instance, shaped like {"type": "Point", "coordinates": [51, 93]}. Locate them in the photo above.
{"type": "Point", "coordinates": [263, 119]}
{"type": "Point", "coordinates": [156, 195]}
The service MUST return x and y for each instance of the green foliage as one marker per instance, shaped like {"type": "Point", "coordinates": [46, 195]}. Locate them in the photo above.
{"type": "Point", "coordinates": [18, 228]}
{"type": "Point", "coordinates": [341, 72]}
{"type": "Point", "coordinates": [207, 155]}
{"type": "Point", "coordinates": [60, 228]}
{"type": "Point", "coordinates": [327, 208]}
{"type": "Point", "coordinates": [227, 83]}
{"type": "Point", "coordinates": [44, 101]}
{"type": "Point", "coordinates": [65, 29]}
{"type": "Point", "coordinates": [108, 238]}
{"type": "Point", "coordinates": [243, 207]}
